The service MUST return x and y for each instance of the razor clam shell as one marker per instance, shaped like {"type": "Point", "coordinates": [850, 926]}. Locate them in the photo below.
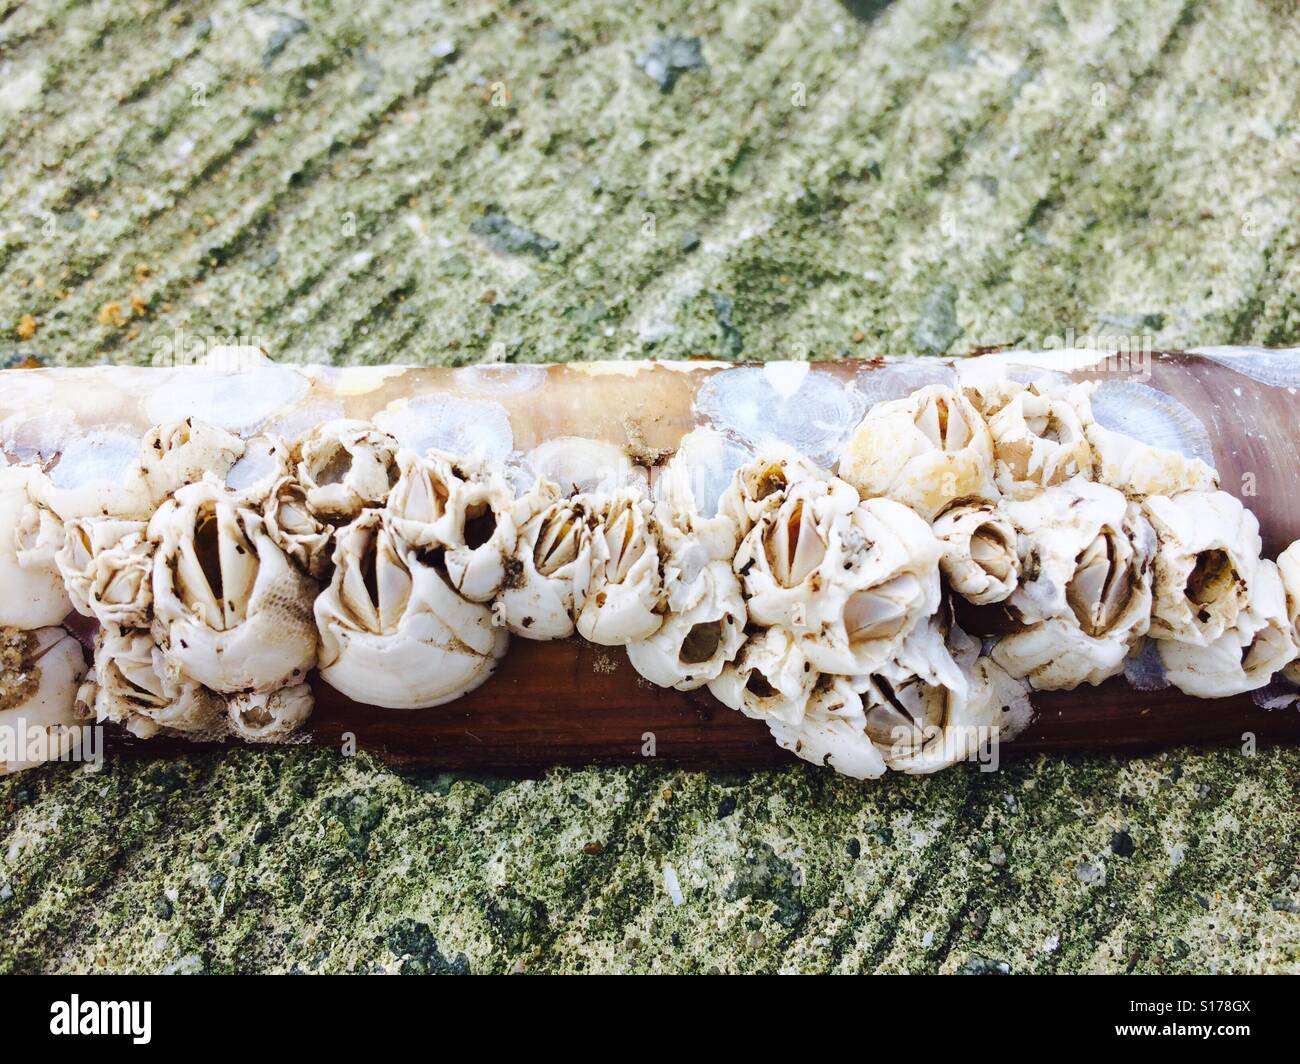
{"type": "Point", "coordinates": [1244, 405]}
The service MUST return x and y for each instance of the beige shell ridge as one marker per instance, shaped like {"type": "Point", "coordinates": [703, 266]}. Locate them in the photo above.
{"type": "Point", "coordinates": [814, 592]}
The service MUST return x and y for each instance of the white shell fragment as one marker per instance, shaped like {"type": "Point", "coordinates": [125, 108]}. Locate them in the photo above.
{"type": "Point", "coordinates": [393, 632]}
{"type": "Point", "coordinates": [805, 552]}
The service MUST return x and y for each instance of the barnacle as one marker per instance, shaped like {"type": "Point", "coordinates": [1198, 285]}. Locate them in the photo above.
{"type": "Point", "coordinates": [979, 552]}
{"type": "Point", "coordinates": [550, 570]}
{"type": "Point", "coordinates": [1204, 569]}
{"type": "Point", "coordinates": [269, 717]}
{"type": "Point", "coordinates": [230, 610]}
{"type": "Point", "coordinates": [107, 567]}
{"type": "Point", "coordinates": [847, 578]}
{"type": "Point", "coordinates": [925, 725]}
{"type": "Point", "coordinates": [1039, 440]}
{"type": "Point", "coordinates": [182, 452]}
{"type": "Point", "coordinates": [40, 672]}
{"type": "Point", "coordinates": [1085, 591]}
{"type": "Point", "coordinates": [133, 685]}
{"type": "Point", "coordinates": [701, 633]}
{"type": "Point", "coordinates": [344, 466]}
{"type": "Point", "coordinates": [704, 622]}
{"type": "Point", "coordinates": [763, 483]}
{"type": "Point", "coordinates": [393, 631]}
{"type": "Point", "coordinates": [1247, 655]}
{"type": "Point", "coordinates": [925, 450]}
{"type": "Point", "coordinates": [266, 463]}
{"type": "Point", "coordinates": [33, 595]}
{"type": "Point", "coordinates": [833, 731]}
{"type": "Point", "coordinates": [770, 679]}
{"type": "Point", "coordinates": [689, 493]}
{"type": "Point", "coordinates": [465, 509]}
{"type": "Point", "coordinates": [1139, 469]}
{"type": "Point", "coordinates": [295, 529]}
{"type": "Point", "coordinates": [623, 598]}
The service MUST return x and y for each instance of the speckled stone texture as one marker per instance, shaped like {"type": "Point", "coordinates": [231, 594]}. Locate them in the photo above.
{"type": "Point", "coordinates": [444, 183]}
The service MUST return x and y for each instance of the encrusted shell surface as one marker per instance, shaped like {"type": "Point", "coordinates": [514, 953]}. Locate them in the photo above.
{"type": "Point", "coordinates": [393, 631]}
{"type": "Point", "coordinates": [230, 610]}
{"type": "Point", "coordinates": [33, 592]}
{"type": "Point", "coordinates": [1209, 551]}
{"type": "Point", "coordinates": [925, 451]}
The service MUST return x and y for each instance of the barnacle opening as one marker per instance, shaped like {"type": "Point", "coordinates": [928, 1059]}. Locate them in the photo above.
{"type": "Point", "coordinates": [480, 524]}
{"type": "Point", "coordinates": [333, 467]}
{"type": "Point", "coordinates": [880, 612]}
{"type": "Point", "coordinates": [701, 643]}
{"type": "Point", "coordinates": [1212, 577]}
{"type": "Point", "coordinates": [1102, 585]}
{"type": "Point", "coordinates": [942, 425]}
{"type": "Point", "coordinates": [992, 550]}
{"type": "Point", "coordinates": [908, 714]}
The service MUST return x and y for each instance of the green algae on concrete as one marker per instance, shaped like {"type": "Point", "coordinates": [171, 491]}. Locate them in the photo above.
{"type": "Point", "coordinates": [927, 174]}
{"type": "Point", "coordinates": [298, 860]}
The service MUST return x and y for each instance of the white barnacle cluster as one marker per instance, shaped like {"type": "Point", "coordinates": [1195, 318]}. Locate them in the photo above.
{"type": "Point", "coordinates": [1073, 543]}
{"type": "Point", "coordinates": [974, 542]}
